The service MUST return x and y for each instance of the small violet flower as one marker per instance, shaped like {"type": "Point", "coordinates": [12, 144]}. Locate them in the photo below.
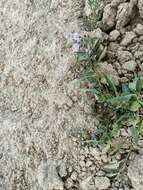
{"type": "Point", "coordinates": [75, 36]}
{"type": "Point", "coordinates": [75, 47]}
{"type": "Point", "coordinates": [65, 37]}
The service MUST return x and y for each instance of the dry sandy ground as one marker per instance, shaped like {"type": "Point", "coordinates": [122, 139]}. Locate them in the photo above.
{"type": "Point", "coordinates": [38, 103]}
{"type": "Point", "coordinates": [40, 100]}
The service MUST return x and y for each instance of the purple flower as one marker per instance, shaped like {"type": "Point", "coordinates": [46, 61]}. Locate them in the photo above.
{"type": "Point", "coordinates": [75, 47]}
{"type": "Point", "coordinates": [65, 37]}
{"type": "Point", "coordinates": [75, 36]}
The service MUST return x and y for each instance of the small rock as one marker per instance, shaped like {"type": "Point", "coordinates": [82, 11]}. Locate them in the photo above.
{"type": "Point", "coordinates": [102, 183]}
{"type": "Point", "coordinates": [124, 13]}
{"type": "Point", "coordinates": [116, 3]}
{"type": "Point", "coordinates": [114, 35]}
{"type": "Point", "coordinates": [82, 163]}
{"type": "Point", "coordinates": [63, 170]}
{"type": "Point", "coordinates": [129, 36]}
{"type": "Point", "coordinates": [87, 184]}
{"type": "Point", "coordinates": [70, 169]}
{"type": "Point", "coordinates": [130, 65]}
{"type": "Point", "coordinates": [104, 158]}
{"type": "Point", "coordinates": [140, 7]}
{"type": "Point", "coordinates": [140, 143]}
{"type": "Point", "coordinates": [88, 163]}
{"type": "Point", "coordinates": [124, 56]}
{"type": "Point", "coordinates": [140, 39]}
{"type": "Point", "coordinates": [109, 16]}
{"type": "Point", "coordinates": [139, 55]}
{"type": "Point", "coordinates": [113, 47]}
{"type": "Point", "coordinates": [69, 183]}
{"type": "Point", "coordinates": [97, 33]}
{"type": "Point", "coordinates": [124, 133]}
{"type": "Point", "coordinates": [139, 29]}
{"type": "Point", "coordinates": [100, 173]}
{"type": "Point", "coordinates": [127, 188]}
{"type": "Point", "coordinates": [118, 156]}
{"type": "Point", "coordinates": [135, 172]}
{"type": "Point", "coordinates": [109, 69]}
{"type": "Point", "coordinates": [74, 176]}
{"type": "Point", "coordinates": [117, 184]}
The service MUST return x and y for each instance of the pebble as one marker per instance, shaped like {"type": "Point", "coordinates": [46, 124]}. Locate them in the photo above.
{"type": "Point", "coordinates": [118, 156]}
{"type": "Point", "coordinates": [117, 184]}
{"type": "Point", "coordinates": [74, 176]}
{"type": "Point", "coordinates": [88, 163]}
{"type": "Point", "coordinates": [63, 170]}
{"type": "Point", "coordinates": [100, 173]}
{"type": "Point", "coordinates": [104, 158]}
{"type": "Point", "coordinates": [114, 35]}
{"type": "Point", "coordinates": [95, 153]}
{"type": "Point", "coordinates": [102, 183]}
{"type": "Point", "coordinates": [129, 36]}
{"type": "Point", "coordinates": [70, 169]}
{"type": "Point", "coordinates": [82, 163]}
{"type": "Point", "coordinates": [124, 56]}
{"type": "Point", "coordinates": [130, 65]}
{"type": "Point", "coordinates": [86, 184]}
{"type": "Point", "coordinates": [84, 169]}
{"type": "Point", "coordinates": [69, 183]}
{"type": "Point", "coordinates": [139, 29]}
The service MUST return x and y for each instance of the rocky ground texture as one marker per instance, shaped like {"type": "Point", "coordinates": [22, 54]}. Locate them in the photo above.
{"type": "Point", "coordinates": [43, 114]}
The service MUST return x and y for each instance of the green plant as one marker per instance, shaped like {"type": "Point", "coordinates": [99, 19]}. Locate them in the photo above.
{"type": "Point", "coordinates": [121, 105]}
{"type": "Point", "coordinates": [117, 107]}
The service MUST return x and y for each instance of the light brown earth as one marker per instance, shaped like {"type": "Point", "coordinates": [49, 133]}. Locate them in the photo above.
{"type": "Point", "coordinates": [41, 106]}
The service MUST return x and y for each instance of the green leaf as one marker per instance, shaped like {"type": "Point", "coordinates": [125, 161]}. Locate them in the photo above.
{"type": "Point", "coordinates": [111, 85]}
{"type": "Point", "coordinates": [122, 118]}
{"type": "Point", "coordinates": [132, 86]}
{"type": "Point", "coordinates": [141, 102]}
{"type": "Point", "coordinates": [134, 106]}
{"type": "Point", "coordinates": [115, 130]}
{"type": "Point", "coordinates": [92, 90]}
{"type": "Point", "coordinates": [82, 56]}
{"type": "Point", "coordinates": [134, 133]}
{"type": "Point", "coordinates": [122, 99]}
{"type": "Point", "coordinates": [125, 89]}
{"type": "Point", "coordinates": [141, 127]}
{"type": "Point", "coordinates": [136, 85]}
{"type": "Point", "coordinates": [102, 54]}
{"type": "Point", "coordinates": [139, 85]}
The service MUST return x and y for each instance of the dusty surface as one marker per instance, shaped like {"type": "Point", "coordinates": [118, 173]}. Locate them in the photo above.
{"type": "Point", "coordinates": [40, 102]}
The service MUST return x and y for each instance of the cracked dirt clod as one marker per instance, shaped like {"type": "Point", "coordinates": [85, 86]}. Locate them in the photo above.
{"type": "Point", "coordinates": [140, 6]}
{"type": "Point", "coordinates": [139, 29]}
{"type": "Point", "coordinates": [102, 183]}
{"type": "Point", "coordinates": [135, 172]}
{"type": "Point", "coordinates": [109, 17]}
{"type": "Point", "coordinates": [114, 35]}
{"type": "Point", "coordinates": [130, 66]}
{"type": "Point", "coordinates": [128, 38]}
{"type": "Point", "coordinates": [124, 13]}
